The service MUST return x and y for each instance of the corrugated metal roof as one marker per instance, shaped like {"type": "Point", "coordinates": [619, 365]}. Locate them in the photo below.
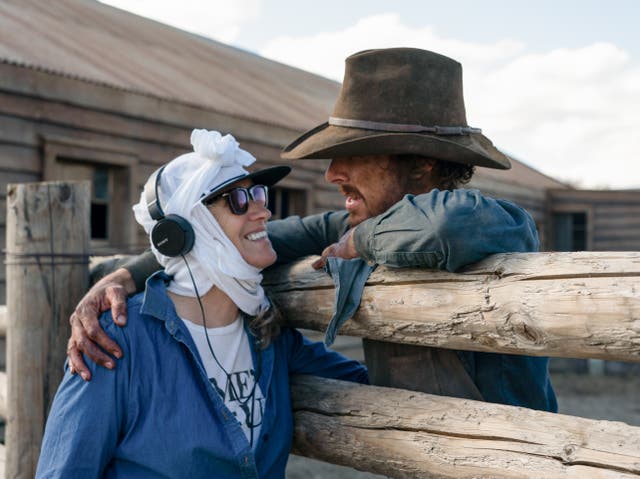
{"type": "Point", "coordinates": [89, 40]}
{"type": "Point", "coordinates": [99, 43]}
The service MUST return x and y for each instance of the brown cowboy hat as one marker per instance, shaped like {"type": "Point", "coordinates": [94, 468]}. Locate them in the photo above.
{"type": "Point", "coordinates": [399, 101]}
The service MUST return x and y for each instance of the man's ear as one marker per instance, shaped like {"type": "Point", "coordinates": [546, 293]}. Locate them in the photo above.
{"type": "Point", "coordinates": [422, 169]}
{"type": "Point", "coordinates": [422, 176]}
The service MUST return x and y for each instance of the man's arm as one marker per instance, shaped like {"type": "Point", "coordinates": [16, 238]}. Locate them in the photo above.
{"type": "Point", "coordinates": [86, 334]}
{"type": "Point", "coordinates": [294, 237]}
{"type": "Point", "coordinates": [109, 293]}
{"type": "Point", "coordinates": [440, 230]}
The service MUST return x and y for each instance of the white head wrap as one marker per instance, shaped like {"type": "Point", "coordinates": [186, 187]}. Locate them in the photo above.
{"type": "Point", "coordinates": [214, 260]}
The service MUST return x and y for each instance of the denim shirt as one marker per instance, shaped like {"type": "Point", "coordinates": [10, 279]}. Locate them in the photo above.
{"type": "Point", "coordinates": [443, 230]}
{"type": "Point", "coordinates": [157, 415]}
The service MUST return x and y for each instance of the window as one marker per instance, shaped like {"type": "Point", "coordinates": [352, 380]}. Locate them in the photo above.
{"type": "Point", "coordinates": [285, 202]}
{"type": "Point", "coordinates": [112, 174]}
{"type": "Point", "coordinates": [109, 201]}
{"type": "Point", "coordinates": [100, 204]}
{"type": "Point", "coordinates": [570, 231]}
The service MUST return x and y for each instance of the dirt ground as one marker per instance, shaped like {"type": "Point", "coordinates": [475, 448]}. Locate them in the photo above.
{"type": "Point", "coordinates": [609, 397]}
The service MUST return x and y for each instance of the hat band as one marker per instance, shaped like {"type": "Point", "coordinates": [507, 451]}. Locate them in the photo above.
{"type": "Point", "coordinates": [400, 128]}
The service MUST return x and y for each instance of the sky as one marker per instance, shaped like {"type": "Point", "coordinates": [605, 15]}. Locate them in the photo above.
{"type": "Point", "coordinates": [555, 84]}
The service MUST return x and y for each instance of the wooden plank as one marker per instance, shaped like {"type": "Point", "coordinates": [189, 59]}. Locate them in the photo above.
{"type": "Point", "coordinates": [17, 130]}
{"type": "Point", "coordinates": [3, 397]}
{"type": "Point", "coordinates": [577, 305]}
{"type": "Point", "coordinates": [503, 188]}
{"type": "Point", "coordinates": [46, 276]}
{"type": "Point", "coordinates": [595, 196]}
{"type": "Point", "coordinates": [8, 177]}
{"type": "Point", "coordinates": [21, 159]}
{"type": "Point", "coordinates": [629, 236]}
{"type": "Point", "coordinates": [404, 434]}
{"type": "Point", "coordinates": [88, 120]}
{"type": "Point", "coordinates": [617, 210]}
{"type": "Point", "coordinates": [633, 245]}
{"type": "Point", "coordinates": [3, 320]}
{"type": "Point", "coordinates": [2, 460]}
{"type": "Point", "coordinates": [29, 132]}
{"type": "Point", "coordinates": [619, 236]}
{"type": "Point", "coordinates": [627, 221]}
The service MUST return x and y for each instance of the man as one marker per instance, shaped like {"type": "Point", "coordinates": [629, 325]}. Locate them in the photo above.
{"type": "Point", "coordinates": [400, 148]}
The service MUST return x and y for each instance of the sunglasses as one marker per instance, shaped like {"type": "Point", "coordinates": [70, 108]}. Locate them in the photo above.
{"type": "Point", "coordinates": [238, 198]}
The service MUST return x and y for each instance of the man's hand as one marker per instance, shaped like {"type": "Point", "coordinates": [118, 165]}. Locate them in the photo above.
{"type": "Point", "coordinates": [345, 248]}
{"type": "Point", "coordinates": [86, 334]}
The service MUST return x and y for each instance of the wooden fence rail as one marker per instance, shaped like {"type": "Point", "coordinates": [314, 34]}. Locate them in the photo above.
{"type": "Point", "coordinates": [572, 305]}
{"type": "Point", "coordinates": [404, 434]}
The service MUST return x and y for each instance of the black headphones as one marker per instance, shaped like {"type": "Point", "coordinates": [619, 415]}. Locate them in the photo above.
{"type": "Point", "coordinates": [172, 235]}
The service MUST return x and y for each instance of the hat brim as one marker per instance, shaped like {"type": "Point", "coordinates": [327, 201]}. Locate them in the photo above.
{"type": "Point", "coordinates": [268, 176]}
{"type": "Point", "coordinates": [329, 141]}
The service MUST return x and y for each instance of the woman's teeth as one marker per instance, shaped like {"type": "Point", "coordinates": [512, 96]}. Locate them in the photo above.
{"type": "Point", "coordinates": [256, 236]}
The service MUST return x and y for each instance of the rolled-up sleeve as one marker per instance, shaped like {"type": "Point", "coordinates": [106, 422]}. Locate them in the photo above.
{"type": "Point", "coordinates": [445, 230]}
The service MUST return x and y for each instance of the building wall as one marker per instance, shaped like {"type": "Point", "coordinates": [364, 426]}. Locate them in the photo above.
{"type": "Point", "coordinates": [54, 127]}
{"type": "Point", "coordinates": [612, 217]}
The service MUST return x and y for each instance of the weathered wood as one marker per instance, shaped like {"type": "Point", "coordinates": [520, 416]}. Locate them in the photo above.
{"type": "Point", "coordinates": [580, 305]}
{"type": "Point", "coordinates": [47, 244]}
{"type": "Point", "coordinates": [2, 460]}
{"type": "Point", "coordinates": [404, 434]}
{"type": "Point", "coordinates": [3, 396]}
{"type": "Point", "coordinates": [21, 159]}
{"type": "Point", "coordinates": [586, 196]}
{"type": "Point", "coordinates": [27, 82]}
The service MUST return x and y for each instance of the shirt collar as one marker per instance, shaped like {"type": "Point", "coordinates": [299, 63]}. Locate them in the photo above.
{"type": "Point", "coordinates": [156, 302]}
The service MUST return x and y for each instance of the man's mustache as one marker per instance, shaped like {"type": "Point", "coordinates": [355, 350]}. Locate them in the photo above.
{"type": "Point", "coordinates": [349, 190]}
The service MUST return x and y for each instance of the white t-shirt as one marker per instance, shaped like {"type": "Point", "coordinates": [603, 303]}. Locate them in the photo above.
{"type": "Point", "coordinates": [232, 349]}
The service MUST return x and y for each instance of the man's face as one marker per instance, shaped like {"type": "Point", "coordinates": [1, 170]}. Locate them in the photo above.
{"type": "Point", "coordinates": [371, 184]}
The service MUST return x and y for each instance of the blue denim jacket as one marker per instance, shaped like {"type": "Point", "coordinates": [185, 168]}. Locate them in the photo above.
{"type": "Point", "coordinates": [439, 230]}
{"type": "Point", "coordinates": [157, 415]}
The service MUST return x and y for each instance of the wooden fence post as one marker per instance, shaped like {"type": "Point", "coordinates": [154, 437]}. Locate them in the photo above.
{"type": "Point", "coordinates": [47, 257]}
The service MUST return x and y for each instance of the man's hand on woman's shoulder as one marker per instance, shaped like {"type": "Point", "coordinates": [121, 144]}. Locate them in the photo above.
{"type": "Point", "coordinates": [87, 336]}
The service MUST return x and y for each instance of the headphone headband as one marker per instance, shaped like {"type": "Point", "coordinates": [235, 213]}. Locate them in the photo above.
{"type": "Point", "coordinates": [152, 196]}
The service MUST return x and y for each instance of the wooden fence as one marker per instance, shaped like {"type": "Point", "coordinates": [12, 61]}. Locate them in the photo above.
{"type": "Point", "coordinates": [582, 305]}
{"type": "Point", "coordinates": [47, 272]}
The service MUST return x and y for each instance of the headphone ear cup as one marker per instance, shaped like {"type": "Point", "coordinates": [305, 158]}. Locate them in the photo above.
{"type": "Point", "coordinates": [173, 236]}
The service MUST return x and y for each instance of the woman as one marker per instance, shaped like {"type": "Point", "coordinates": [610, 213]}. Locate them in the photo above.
{"type": "Point", "coordinates": [203, 387]}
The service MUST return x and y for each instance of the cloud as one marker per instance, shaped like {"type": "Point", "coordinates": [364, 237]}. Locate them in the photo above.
{"type": "Point", "coordinates": [571, 113]}
{"type": "Point", "coordinates": [218, 19]}
{"type": "Point", "coordinates": [324, 53]}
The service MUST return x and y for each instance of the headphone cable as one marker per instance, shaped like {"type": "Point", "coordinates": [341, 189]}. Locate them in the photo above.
{"type": "Point", "coordinates": [228, 376]}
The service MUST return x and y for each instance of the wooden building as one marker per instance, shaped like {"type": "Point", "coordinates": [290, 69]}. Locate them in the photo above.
{"type": "Point", "coordinates": [91, 92]}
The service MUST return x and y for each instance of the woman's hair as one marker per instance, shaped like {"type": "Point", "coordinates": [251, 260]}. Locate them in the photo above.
{"type": "Point", "coordinates": [266, 325]}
